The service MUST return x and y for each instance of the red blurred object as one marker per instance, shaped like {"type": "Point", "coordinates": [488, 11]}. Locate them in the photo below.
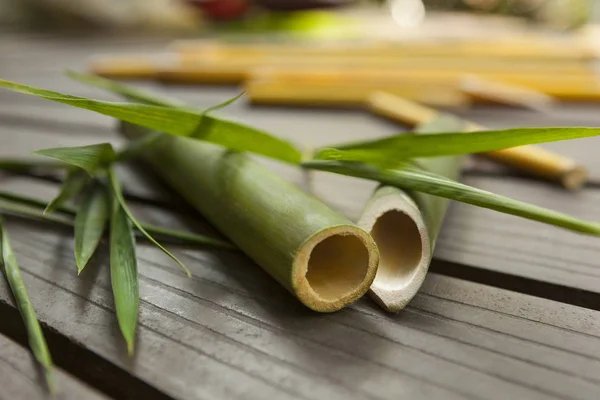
{"type": "Point", "coordinates": [222, 9]}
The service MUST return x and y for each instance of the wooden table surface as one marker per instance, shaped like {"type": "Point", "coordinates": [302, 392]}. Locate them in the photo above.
{"type": "Point", "coordinates": [510, 309]}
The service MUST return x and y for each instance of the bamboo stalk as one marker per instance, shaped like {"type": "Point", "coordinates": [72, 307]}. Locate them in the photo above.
{"type": "Point", "coordinates": [584, 86]}
{"type": "Point", "coordinates": [518, 48]}
{"type": "Point", "coordinates": [318, 255]}
{"type": "Point", "coordinates": [126, 67]}
{"type": "Point", "coordinates": [532, 159]}
{"type": "Point", "coordinates": [405, 227]}
{"type": "Point", "coordinates": [296, 93]}
{"type": "Point", "coordinates": [498, 92]}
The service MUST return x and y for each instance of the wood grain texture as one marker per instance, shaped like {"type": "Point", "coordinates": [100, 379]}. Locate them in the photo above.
{"type": "Point", "coordinates": [21, 379]}
{"type": "Point", "coordinates": [233, 326]}
{"type": "Point", "coordinates": [232, 332]}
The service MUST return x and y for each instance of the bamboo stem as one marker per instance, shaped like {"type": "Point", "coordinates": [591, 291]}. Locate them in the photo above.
{"type": "Point", "coordinates": [315, 253]}
{"type": "Point", "coordinates": [311, 94]}
{"type": "Point", "coordinates": [503, 93]}
{"type": "Point", "coordinates": [532, 159]}
{"type": "Point", "coordinates": [405, 226]}
{"type": "Point", "coordinates": [398, 227]}
{"type": "Point", "coordinates": [517, 49]}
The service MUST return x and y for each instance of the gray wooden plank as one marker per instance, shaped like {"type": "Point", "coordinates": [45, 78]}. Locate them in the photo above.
{"type": "Point", "coordinates": [20, 378]}
{"type": "Point", "coordinates": [507, 244]}
{"type": "Point", "coordinates": [232, 317]}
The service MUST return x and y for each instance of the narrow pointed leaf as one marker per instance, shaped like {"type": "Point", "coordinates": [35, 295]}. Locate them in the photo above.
{"type": "Point", "coordinates": [116, 187]}
{"type": "Point", "coordinates": [24, 165]}
{"type": "Point", "coordinates": [30, 207]}
{"type": "Point", "coordinates": [178, 121]}
{"type": "Point", "coordinates": [88, 158]}
{"type": "Point", "coordinates": [24, 210]}
{"type": "Point", "coordinates": [411, 177]}
{"type": "Point", "coordinates": [402, 147]}
{"type": "Point", "coordinates": [130, 93]}
{"type": "Point", "coordinates": [37, 342]}
{"type": "Point", "coordinates": [123, 273]}
{"type": "Point", "coordinates": [224, 104]}
{"type": "Point", "coordinates": [71, 187]}
{"type": "Point", "coordinates": [90, 223]}
{"type": "Point", "coordinates": [188, 237]}
{"type": "Point", "coordinates": [138, 95]}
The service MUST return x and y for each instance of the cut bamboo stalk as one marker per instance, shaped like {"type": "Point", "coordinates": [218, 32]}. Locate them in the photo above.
{"type": "Point", "coordinates": [314, 94]}
{"type": "Point", "coordinates": [584, 86]}
{"type": "Point", "coordinates": [405, 227]}
{"type": "Point", "coordinates": [564, 82]}
{"type": "Point", "coordinates": [486, 90]}
{"type": "Point", "coordinates": [518, 48]}
{"type": "Point", "coordinates": [404, 62]}
{"type": "Point", "coordinates": [127, 67]}
{"type": "Point", "coordinates": [319, 256]}
{"type": "Point", "coordinates": [532, 159]}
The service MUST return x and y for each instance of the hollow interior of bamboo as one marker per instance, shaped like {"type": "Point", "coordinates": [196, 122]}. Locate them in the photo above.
{"type": "Point", "coordinates": [397, 226]}
{"type": "Point", "coordinates": [333, 265]}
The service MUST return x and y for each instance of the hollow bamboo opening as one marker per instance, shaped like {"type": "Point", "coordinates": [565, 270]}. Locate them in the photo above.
{"type": "Point", "coordinates": [335, 267]}
{"type": "Point", "coordinates": [398, 229]}
{"type": "Point", "coordinates": [400, 249]}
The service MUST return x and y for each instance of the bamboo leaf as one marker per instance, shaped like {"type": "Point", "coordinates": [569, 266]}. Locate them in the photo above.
{"type": "Point", "coordinates": [71, 187]}
{"type": "Point", "coordinates": [411, 177]}
{"type": "Point", "coordinates": [138, 95]}
{"type": "Point", "coordinates": [178, 121]}
{"type": "Point", "coordinates": [24, 165]}
{"type": "Point", "coordinates": [24, 210]}
{"type": "Point", "coordinates": [401, 147]}
{"type": "Point", "coordinates": [188, 237]}
{"type": "Point", "coordinates": [88, 158]}
{"type": "Point", "coordinates": [116, 187]}
{"type": "Point", "coordinates": [37, 342]}
{"type": "Point", "coordinates": [130, 93]}
{"type": "Point", "coordinates": [90, 223]}
{"type": "Point", "coordinates": [123, 273]}
{"type": "Point", "coordinates": [224, 104]}
{"type": "Point", "coordinates": [20, 205]}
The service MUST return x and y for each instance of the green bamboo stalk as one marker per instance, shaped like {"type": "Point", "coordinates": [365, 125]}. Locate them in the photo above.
{"type": "Point", "coordinates": [315, 253]}
{"type": "Point", "coordinates": [405, 226]}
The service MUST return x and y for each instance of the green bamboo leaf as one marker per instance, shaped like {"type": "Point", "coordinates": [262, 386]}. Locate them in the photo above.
{"type": "Point", "coordinates": [25, 210]}
{"type": "Point", "coordinates": [88, 158]}
{"type": "Point", "coordinates": [116, 187]}
{"type": "Point", "coordinates": [224, 104]}
{"type": "Point", "coordinates": [410, 177]}
{"type": "Point", "coordinates": [71, 187]}
{"type": "Point", "coordinates": [401, 147]}
{"type": "Point", "coordinates": [25, 165]}
{"type": "Point", "coordinates": [139, 95]}
{"type": "Point", "coordinates": [123, 273]}
{"type": "Point", "coordinates": [178, 121]}
{"type": "Point", "coordinates": [37, 342]}
{"type": "Point", "coordinates": [21, 205]}
{"type": "Point", "coordinates": [90, 223]}
{"type": "Point", "coordinates": [130, 93]}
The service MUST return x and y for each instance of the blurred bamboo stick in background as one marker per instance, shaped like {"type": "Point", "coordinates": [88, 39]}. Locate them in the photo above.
{"type": "Point", "coordinates": [532, 159]}
{"type": "Point", "coordinates": [276, 92]}
{"type": "Point", "coordinates": [517, 48]}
